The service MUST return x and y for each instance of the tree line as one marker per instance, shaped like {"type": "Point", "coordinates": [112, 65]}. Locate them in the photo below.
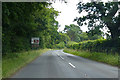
{"type": "Point", "coordinates": [21, 21]}
{"type": "Point", "coordinates": [99, 15]}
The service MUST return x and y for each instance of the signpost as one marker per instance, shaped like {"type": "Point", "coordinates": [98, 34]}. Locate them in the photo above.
{"type": "Point", "coordinates": [35, 42]}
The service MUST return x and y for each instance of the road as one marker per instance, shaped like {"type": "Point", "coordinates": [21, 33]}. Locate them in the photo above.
{"type": "Point", "coordinates": [57, 64]}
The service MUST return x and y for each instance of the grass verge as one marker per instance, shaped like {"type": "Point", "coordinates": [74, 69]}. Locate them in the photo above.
{"type": "Point", "coordinates": [97, 56]}
{"type": "Point", "coordinates": [13, 62]}
{"type": "Point", "coordinates": [0, 67]}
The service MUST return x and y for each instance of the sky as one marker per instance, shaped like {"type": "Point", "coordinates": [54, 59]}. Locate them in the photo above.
{"type": "Point", "coordinates": [69, 12]}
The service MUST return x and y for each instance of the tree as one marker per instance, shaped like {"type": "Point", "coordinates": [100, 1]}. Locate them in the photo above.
{"type": "Point", "coordinates": [87, 36]}
{"type": "Point", "coordinates": [73, 31]}
{"type": "Point", "coordinates": [47, 26]}
{"type": "Point", "coordinates": [100, 15]}
{"type": "Point", "coordinates": [83, 36]}
{"type": "Point", "coordinates": [64, 38]}
{"type": "Point", "coordinates": [95, 33]}
{"type": "Point", "coordinates": [18, 25]}
{"type": "Point", "coordinates": [21, 21]}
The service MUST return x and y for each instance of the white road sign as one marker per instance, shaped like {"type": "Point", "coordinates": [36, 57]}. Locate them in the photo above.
{"type": "Point", "coordinates": [34, 40]}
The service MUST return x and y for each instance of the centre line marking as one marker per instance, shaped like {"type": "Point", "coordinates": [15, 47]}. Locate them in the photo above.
{"type": "Point", "coordinates": [71, 65]}
{"type": "Point", "coordinates": [61, 57]}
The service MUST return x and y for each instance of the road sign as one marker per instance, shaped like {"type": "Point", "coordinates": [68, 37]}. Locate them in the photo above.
{"type": "Point", "coordinates": [34, 40]}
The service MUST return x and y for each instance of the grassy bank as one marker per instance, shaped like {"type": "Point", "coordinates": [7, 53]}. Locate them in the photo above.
{"type": "Point", "coordinates": [101, 57]}
{"type": "Point", "coordinates": [0, 67]}
{"type": "Point", "coordinates": [13, 62]}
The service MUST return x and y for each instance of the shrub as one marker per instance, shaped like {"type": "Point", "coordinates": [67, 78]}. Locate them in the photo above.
{"type": "Point", "coordinates": [71, 44]}
{"type": "Point", "coordinates": [60, 45]}
{"type": "Point", "coordinates": [99, 45]}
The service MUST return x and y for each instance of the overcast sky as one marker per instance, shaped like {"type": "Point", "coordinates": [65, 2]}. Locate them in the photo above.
{"type": "Point", "coordinates": [69, 12]}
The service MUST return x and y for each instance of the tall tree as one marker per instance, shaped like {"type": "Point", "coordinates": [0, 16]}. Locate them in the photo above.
{"type": "Point", "coordinates": [73, 31]}
{"type": "Point", "coordinates": [100, 14]}
{"type": "Point", "coordinates": [21, 21]}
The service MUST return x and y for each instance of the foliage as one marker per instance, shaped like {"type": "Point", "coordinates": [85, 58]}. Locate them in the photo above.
{"type": "Point", "coordinates": [100, 45]}
{"type": "Point", "coordinates": [100, 15]}
{"type": "Point", "coordinates": [60, 45]}
{"type": "Point", "coordinates": [73, 31]}
{"type": "Point", "coordinates": [70, 44]}
{"type": "Point", "coordinates": [61, 41]}
{"type": "Point", "coordinates": [64, 38]}
{"type": "Point", "coordinates": [87, 36]}
{"type": "Point", "coordinates": [21, 21]}
{"type": "Point", "coordinates": [84, 36]}
{"type": "Point", "coordinates": [76, 34]}
{"type": "Point", "coordinates": [10, 63]}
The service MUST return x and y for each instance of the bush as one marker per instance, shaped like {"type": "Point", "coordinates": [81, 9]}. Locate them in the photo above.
{"type": "Point", "coordinates": [99, 45]}
{"type": "Point", "coordinates": [70, 44]}
{"type": "Point", "coordinates": [60, 45]}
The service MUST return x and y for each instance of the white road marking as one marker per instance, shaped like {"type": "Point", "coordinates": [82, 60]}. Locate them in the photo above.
{"type": "Point", "coordinates": [71, 65]}
{"type": "Point", "coordinates": [69, 62]}
{"type": "Point", "coordinates": [61, 57]}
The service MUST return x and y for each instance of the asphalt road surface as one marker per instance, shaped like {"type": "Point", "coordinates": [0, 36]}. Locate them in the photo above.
{"type": "Point", "coordinates": [57, 64]}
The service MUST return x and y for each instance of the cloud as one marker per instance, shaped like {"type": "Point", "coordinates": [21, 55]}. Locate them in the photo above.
{"type": "Point", "coordinates": [68, 13]}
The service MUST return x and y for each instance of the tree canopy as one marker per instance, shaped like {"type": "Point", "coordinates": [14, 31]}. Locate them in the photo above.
{"type": "Point", "coordinates": [73, 31]}
{"type": "Point", "coordinates": [21, 21]}
{"type": "Point", "coordinates": [100, 15]}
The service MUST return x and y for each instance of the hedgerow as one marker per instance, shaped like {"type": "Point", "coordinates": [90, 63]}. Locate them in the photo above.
{"type": "Point", "coordinates": [99, 45]}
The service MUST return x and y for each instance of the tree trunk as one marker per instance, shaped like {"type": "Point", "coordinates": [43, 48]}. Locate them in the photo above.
{"type": "Point", "coordinates": [114, 30]}
{"type": "Point", "coordinates": [113, 27]}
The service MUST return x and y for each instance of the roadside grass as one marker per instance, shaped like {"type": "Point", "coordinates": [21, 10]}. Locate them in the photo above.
{"type": "Point", "coordinates": [97, 56]}
{"type": "Point", "coordinates": [13, 62]}
{"type": "Point", "coordinates": [0, 67]}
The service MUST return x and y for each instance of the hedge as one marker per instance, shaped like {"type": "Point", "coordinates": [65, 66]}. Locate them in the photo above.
{"type": "Point", "coordinates": [99, 45]}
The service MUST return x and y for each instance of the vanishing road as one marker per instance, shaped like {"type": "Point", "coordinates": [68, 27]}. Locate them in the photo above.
{"type": "Point", "coordinates": [57, 64]}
